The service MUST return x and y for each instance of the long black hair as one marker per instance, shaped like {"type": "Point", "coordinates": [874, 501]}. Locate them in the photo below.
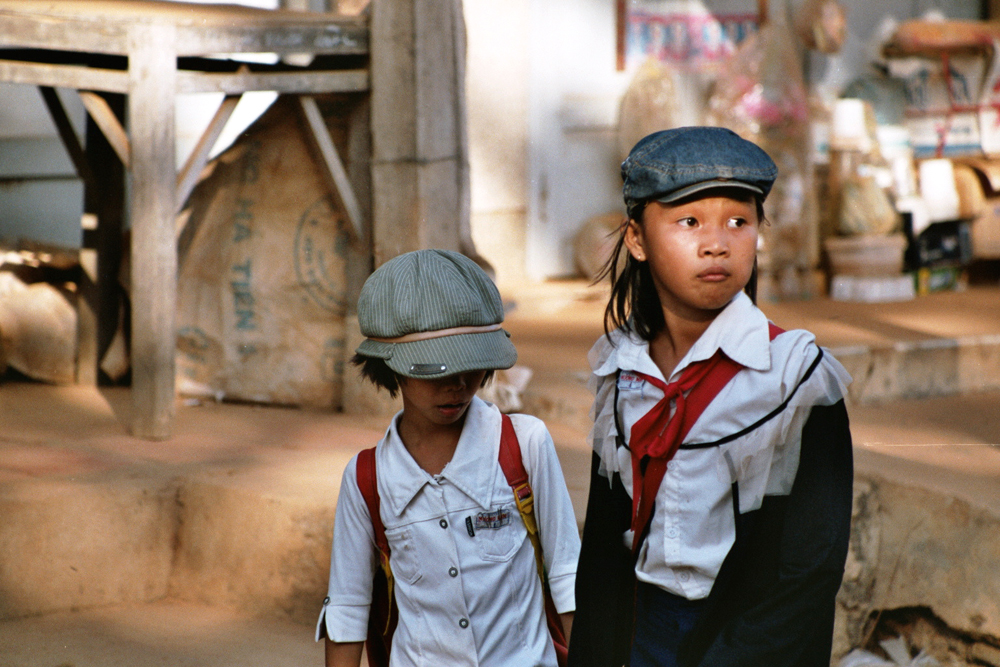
{"type": "Point", "coordinates": [634, 304]}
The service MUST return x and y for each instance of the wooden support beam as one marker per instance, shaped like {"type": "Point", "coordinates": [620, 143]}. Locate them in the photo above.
{"type": "Point", "coordinates": [67, 134]}
{"type": "Point", "coordinates": [188, 176]}
{"type": "Point", "coordinates": [150, 36]}
{"type": "Point", "coordinates": [318, 81]}
{"type": "Point", "coordinates": [87, 325]}
{"type": "Point", "coordinates": [331, 165]}
{"type": "Point", "coordinates": [107, 121]}
{"type": "Point", "coordinates": [152, 71]}
{"type": "Point", "coordinates": [115, 81]}
{"type": "Point", "coordinates": [104, 26]}
{"type": "Point", "coordinates": [103, 222]}
{"type": "Point", "coordinates": [63, 76]}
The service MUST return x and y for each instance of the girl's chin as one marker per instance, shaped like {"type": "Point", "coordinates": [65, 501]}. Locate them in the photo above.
{"type": "Point", "coordinates": [715, 299]}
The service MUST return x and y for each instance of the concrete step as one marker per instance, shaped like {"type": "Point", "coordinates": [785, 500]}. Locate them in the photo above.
{"type": "Point", "coordinates": [179, 634]}
{"type": "Point", "coordinates": [235, 511]}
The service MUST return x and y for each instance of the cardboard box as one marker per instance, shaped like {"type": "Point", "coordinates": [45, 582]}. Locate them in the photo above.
{"type": "Point", "coordinates": [944, 97]}
{"type": "Point", "coordinates": [984, 230]}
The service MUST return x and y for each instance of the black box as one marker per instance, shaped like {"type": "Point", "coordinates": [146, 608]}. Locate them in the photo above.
{"type": "Point", "coordinates": [945, 243]}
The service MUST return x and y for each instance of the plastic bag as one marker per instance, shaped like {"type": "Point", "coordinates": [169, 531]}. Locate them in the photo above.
{"type": "Point", "coordinates": [865, 208]}
{"type": "Point", "coordinates": [761, 91]}
{"type": "Point", "coordinates": [761, 95]}
{"type": "Point", "coordinates": [822, 25]}
{"type": "Point", "coordinates": [649, 104]}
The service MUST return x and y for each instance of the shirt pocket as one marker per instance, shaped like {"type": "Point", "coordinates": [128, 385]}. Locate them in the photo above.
{"type": "Point", "coordinates": [499, 532]}
{"type": "Point", "coordinates": [403, 558]}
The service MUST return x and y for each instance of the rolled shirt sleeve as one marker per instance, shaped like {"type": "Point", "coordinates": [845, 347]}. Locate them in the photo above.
{"type": "Point", "coordinates": [344, 615]}
{"type": "Point", "coordinates": [560, 536]}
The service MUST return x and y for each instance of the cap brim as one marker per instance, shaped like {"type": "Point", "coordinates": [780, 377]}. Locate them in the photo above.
{"type": "Point", "coordinates": [677, 195]}
{"type": "Point", "coordinates": [447, 355]}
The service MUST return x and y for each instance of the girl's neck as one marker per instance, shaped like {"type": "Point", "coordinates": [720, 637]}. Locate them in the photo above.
{"type": "Point", "coordinates": [432, 446]}
{"type": "Point", "coordinates": [674, 341]}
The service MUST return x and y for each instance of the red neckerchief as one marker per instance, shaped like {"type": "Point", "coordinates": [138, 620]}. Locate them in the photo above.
{"type": "Point", "coordinates": [656, 436]}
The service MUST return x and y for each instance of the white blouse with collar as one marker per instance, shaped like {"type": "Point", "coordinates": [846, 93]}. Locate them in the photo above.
{"type": "Point", "coordinates": [693, 524]}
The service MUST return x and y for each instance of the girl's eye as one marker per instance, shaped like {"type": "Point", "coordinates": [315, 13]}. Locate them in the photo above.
{"type": "Point", "coordinates": [688, 222]}
{"type": "Point", "coordinates": [737, 222]}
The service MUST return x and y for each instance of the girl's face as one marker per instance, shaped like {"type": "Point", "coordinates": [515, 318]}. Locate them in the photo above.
{"type": "Point", "coordinates": [701, 252]}
{"type": "Point", "coordinates": [439, 402]}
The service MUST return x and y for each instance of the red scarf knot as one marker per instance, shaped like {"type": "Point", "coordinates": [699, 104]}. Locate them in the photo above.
{"type": "Point", "coordinates": [657, 435]}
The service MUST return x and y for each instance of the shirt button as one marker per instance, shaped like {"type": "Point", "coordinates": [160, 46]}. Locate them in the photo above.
{"type": "Point", "coordinates": [672, 532]}
{"type": "Point", "coordinates": [326, 600]}
{"type": "Point", "coordinates": [453, 571]}
{"type": "Point", "coordinates": [463, 623]}
{"type": "Point", "coordinates": [685, 576]}
{"type": "Point", "coordinates": [444, 523]}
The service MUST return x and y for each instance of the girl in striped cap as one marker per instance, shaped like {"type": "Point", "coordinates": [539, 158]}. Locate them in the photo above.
{"type": "Point", "coordinates": [462, 548]}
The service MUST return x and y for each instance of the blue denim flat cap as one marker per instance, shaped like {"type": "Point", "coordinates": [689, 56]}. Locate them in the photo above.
{"type": "Point", "coordinates": [433, 313]}
{"type": "Point", "coordinates": [672, 164]}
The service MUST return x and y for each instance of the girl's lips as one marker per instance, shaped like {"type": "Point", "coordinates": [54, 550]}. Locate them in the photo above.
{"type": "Point", "coordinates": [714, 274]}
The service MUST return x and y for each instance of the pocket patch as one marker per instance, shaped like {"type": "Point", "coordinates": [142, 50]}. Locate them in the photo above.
{"type": "Point", "coordinates": [499, 532]}
{"type": "Point", "coordinates": [628, 381]}
{"type": "Point", "coordinates": [494, 519]}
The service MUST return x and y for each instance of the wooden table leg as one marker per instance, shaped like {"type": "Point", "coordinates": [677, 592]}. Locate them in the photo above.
{"type": "Point", "coordinates": [152, 74]}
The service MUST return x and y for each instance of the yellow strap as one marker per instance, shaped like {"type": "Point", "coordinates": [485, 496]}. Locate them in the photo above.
{"type": "Point", "coordinates": [526, 506]}
{"type": "Point", "coordinates": [384, 559]}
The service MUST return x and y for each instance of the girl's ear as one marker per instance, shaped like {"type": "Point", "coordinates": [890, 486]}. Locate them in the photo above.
{"type": "Point", "coordinates": [635, 241]}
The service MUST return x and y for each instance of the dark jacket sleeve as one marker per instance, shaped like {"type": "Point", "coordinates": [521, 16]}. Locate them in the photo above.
{"type": "Point", "coordinates": [605, 578]}
{"type": "Point", "coordinates": [774, 600]}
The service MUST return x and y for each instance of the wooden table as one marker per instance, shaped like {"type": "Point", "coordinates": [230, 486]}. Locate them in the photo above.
{"type": "Point", "coordinates": [67, 44]}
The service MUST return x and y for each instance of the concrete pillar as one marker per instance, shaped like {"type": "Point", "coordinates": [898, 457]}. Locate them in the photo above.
{"type": "Point", "coordinates": [420, 178]}
{"type": "Point", "coordinates": [419, 151]}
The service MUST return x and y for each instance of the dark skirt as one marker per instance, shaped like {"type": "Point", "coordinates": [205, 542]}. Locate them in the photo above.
{"type": "Point", "coordinates": [662, 620]}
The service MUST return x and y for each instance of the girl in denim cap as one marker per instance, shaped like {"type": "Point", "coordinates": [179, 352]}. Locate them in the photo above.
{"type": "Point", "coordinates": [720, 498]}
{"type": "Point", "coordinates": [462, 582]}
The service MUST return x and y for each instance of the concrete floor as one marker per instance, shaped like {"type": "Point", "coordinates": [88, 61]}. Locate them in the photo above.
{"type": "Point", "coordinates": [277, 462]}
{"type": "Point", "coordinates": [174, 634]}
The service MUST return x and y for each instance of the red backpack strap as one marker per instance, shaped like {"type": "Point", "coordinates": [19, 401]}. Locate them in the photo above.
{"type": "Point", "coordinates": [368, 485]}
{"type": "Point", "coordinates": [517, 477]}
{"type": "Point", "coordinates": [512, 465]}
{"type": "Point", "coordinates": [383, 615]}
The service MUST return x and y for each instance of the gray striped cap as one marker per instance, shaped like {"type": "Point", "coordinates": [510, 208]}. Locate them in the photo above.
{"type": "Point", "coordinates": [432, 313]}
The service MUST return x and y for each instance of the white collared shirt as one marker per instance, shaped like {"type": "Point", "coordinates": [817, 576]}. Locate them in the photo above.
{"type": "Point", "coordinates": [693, 524]}
{"type": "Point", "coordinates": [466, 583]}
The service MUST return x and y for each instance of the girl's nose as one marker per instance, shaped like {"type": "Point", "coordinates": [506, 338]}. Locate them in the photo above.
{"type": "Point", "coordinates": [714, 243]}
